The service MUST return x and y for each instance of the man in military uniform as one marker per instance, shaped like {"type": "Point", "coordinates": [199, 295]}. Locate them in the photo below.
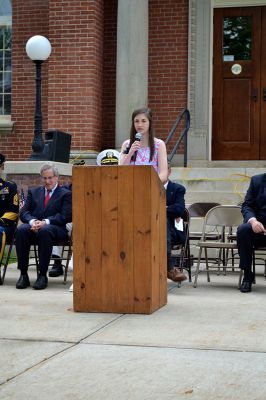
{"type": "Point", "coordinates": [9, 209]}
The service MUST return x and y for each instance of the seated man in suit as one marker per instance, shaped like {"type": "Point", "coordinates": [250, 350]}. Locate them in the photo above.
{"type": "Point", "coordinates": [253, 231]}
{"type": "Point", "coordinates": [45, 214]}
{"type": "Point", "coordinates": [175, 206]}
{"type": "Point", "coordinates": [8, 208]}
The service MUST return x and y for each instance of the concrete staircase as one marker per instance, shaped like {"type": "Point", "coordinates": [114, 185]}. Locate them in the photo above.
{"type": "Point", "coordinates": [221, 182]}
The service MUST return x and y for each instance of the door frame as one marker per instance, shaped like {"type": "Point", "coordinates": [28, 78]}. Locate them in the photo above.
{"type": "Point", "coordinates": [200, 82]}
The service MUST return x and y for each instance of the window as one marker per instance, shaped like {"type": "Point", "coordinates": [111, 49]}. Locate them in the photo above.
{"type": "Point", "coordinates": [237, 38]}
{"type": "Point", "coordinates": [5, 56]}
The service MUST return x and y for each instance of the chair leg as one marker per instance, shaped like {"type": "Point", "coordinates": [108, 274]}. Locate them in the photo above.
{"type": "Point", "coordinates": [254, 266]}
{"type": "Point", "coordinates": [197, 268]}
{"type": "Point", "coordinates": [6, 263]}
{"type": "Point", "coordinates": [240, 278]}
{"type": "Point", "coordinates": [207, 264]}
{"type": "Point", "coordinates": [224, 260]}
{"type": "Point", "coordinates": [219, 260]}
{"type": "Point", "coordinates": [188, 261]}
{"type": "Point", "coordinates": [69, 252]}
{"type": "Point", "coordinates": [36, 259]}
{"type": "Point", "coordinates": [233, 259]}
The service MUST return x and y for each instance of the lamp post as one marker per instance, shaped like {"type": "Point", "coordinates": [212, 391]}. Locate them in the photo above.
{"type": "Point", "coordinates": [38, 48]}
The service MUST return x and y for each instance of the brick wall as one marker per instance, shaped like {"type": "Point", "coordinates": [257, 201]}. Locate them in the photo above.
{"type": "Point", "coordinates": [75, 71]}
{"type": "Point", "coordinates": [26, 181]}
{"type": "Point", "coordinates": [79, 80]}
{"type": "Point", "coordinates": [71, 78]}
{"type": "Point", "coordinates": [168, 54]}
{"type": "Point", "coordinates": [29, 18]}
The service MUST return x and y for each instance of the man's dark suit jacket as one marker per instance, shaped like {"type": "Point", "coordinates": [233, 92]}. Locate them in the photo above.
{"type": "Point", "coordinates": [254, 204]}
{"type": "Point", "coordinates": [175, 202]}
{"type": "Point", "coordinates": [58, 209]}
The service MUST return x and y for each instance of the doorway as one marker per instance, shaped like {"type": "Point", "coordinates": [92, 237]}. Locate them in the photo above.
{"type": "Point", "coordinates": [239, 84]}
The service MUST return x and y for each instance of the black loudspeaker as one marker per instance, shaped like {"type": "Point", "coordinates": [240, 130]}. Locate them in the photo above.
{"type": "Point", "coordinates": [57, 146]}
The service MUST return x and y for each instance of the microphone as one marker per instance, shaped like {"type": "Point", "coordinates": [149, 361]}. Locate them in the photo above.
{"type": "Point", "coordinates": [137, 138]}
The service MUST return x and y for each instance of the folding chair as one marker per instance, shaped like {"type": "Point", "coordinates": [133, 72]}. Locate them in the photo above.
{"type": "Point", "coordinates": [199, 210]}
{"type": "Point", "coordinates": [261, 251]}
{"type": "Point", "coordinates": [223, 218]}
{"type": "Point", "coordinates": [6, 255]}
{"type": "Point", "coordinates": [182, 252]}
{"type": "Point", "coordinates": [66, 255]}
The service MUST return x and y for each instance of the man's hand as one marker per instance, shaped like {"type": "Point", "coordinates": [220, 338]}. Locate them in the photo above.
{"type": "Point", "coordinates": [257, 226]}
{"type": "Point", "coordinates": [36, 225]}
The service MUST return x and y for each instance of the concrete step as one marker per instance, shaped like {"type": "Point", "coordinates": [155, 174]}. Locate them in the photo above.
{"type": "Point", "coordinates": [212, 196]}
{"type": "Point", "coordinates": [224, 185]}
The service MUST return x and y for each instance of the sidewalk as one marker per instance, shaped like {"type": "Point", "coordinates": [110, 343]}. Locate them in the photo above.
{"type": "Point", "coordinates": [206, 343]}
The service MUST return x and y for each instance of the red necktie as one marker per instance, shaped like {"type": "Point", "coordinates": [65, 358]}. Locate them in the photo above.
{"type": "Point", "coordinates": [47, 198]}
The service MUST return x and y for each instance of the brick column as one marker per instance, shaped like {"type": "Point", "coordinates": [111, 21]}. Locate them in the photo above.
{"type": "Point", "coordinates": [75, 71]}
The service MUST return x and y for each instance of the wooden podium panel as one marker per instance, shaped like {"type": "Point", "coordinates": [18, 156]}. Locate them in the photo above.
{"type": "Point", "coordinates": [119, 239]}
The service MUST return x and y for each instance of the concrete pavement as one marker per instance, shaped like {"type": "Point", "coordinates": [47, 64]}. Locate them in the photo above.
{"type": "Point", "coordinates": [206, 343]}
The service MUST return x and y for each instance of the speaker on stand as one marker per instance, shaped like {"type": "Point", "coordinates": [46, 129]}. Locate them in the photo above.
{"type": "Point", "coordinates": [57, 145]}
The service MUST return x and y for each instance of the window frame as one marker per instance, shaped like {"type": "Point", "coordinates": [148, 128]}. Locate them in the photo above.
{"type": "Point", "coordinates": [6, 125]}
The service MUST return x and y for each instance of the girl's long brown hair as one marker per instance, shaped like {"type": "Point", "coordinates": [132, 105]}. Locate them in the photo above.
{"type": "Point", "coordinates": [147, 112]}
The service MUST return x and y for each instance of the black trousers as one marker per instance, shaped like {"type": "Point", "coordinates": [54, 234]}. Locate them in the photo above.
{"type": "Point", "coordinates": [173, 237]}
{"type": "Point", "coordinates": [246, 240]}
{"type": "Point", "coordinates": [9, 231]}
{"type": "Point", "coordinates": [45, 238]}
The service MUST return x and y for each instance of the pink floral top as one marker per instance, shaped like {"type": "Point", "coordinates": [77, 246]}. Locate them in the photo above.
{"type": "Point", "coordinates": [143, 156]}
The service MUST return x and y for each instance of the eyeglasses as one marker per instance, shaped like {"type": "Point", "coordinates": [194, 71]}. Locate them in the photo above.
{"type": "Point", "coordinates": [48, 178]}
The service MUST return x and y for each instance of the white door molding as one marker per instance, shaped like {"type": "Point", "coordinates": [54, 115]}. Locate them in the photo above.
{"type": "Point", "coordinates": [200, 54]}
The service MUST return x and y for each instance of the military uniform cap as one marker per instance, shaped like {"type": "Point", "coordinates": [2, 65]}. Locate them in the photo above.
{"type": "Point", "coordinates": [108, 157]}
{"type": "Point", "coordinates": [2, 159]}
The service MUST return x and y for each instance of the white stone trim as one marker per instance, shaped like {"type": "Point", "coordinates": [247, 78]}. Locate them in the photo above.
{"type": "Point", "coordinates": [237, 3]}
{"type": "Point", "coordinates": [200, 55]}
{"type": "Point", "coordinates": [33, 167]}
{"type": "Point", "coordinates": [132, 63]}
{"type": "Point", "coordinates": [198, 79]}
{"type": "Point", "coordinates": [6, 125]}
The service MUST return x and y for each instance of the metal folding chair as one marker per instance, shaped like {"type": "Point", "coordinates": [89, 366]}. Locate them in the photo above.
{"type": "Point", "coordinates": [259, 253]}
{"type": "Point", "coordinates": [6, 255]}
{"type": "Point", "coordinates": [223, 218]}
{"type": "Point", "coordinates": [199, 210]}
{"type": "Point", "coordinates": [66, 255]}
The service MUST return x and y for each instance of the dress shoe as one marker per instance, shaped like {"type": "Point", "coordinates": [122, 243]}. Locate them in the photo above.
{"type": "Point", "coordinates": [57, 270]}
{"type": "Point", "coordinates": [176, 275]}
{"type": "Point", "coordinates": [246, 285]}
{"type": "Point", "coordinates": [23, 282]}
{"type": "Point", "coordinates": [41, 283]}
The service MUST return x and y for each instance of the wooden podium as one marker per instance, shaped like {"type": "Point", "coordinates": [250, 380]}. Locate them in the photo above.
{"type": "Point", "coordinates": [119, 239]}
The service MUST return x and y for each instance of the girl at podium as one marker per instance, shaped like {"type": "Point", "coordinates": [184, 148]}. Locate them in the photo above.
{"type": "Point", "coordinates": [143, 148]}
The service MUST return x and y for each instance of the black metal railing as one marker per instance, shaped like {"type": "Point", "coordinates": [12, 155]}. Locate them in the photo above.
{"type": "Point", "coordinates": [183, 136]}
